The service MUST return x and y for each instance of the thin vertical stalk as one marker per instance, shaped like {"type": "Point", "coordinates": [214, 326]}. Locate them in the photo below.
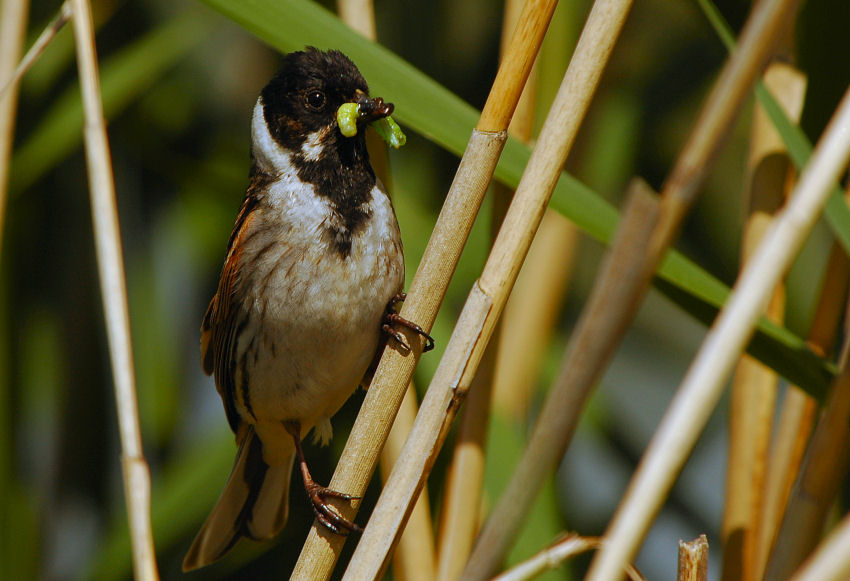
{"type": "Point", "coordinates": [114, 292]}
{"type": "Point", "coordinates": [754, 387]}
{"type": "Point", "coordinates": [13, 28]}
{"type": "Point", "coordinates": [359, 15]}
{"type": "Point", "coordinates": [703, 384]}
{"type": "Point", "coordinates": [429, 285]}
{"type": "Point", "coordinates": [799, 408]}
{"type": "Point", "coordinates": [818, 484]}
{"type": "Point", "coordinates": [414, 558]}
{"type": "Point", "coordinates": [789, 85]}
{"type": "Point", "coordinates": [532, 311]}
{"type": "Point", "coordinates": [579, 372]}
{"type": "Point", "coordinates": [488, 296]}
{"type": "Point", "coordinates": [10, 81]}
{"type": "Point", "coordinates": [460, 514]}
{"type": "Point", "coordinates": [597, 330]}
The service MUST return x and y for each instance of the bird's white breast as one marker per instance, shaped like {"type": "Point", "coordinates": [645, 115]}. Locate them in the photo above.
{"type": "Point", "coordinates": [316, 313]}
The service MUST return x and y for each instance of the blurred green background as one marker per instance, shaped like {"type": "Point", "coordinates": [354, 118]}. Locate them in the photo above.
{"type": "Point", "coordinates": [179, 83]}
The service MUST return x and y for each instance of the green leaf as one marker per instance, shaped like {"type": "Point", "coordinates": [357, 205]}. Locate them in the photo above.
{"type": "Point", "coordinates": [837, 213]}
{"type": "Point", "coordinates": [433, 111]}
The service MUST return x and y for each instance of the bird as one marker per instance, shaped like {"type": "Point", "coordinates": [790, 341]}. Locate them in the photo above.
{"type": "Point", "coordinates": [306, 299]}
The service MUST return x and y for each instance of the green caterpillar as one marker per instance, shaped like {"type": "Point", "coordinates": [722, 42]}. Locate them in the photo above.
{"type": "Point", "coordinates": [387, 128]}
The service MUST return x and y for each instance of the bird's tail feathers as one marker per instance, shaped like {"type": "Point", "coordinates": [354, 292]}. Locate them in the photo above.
{"type": "Point", "coordinates": [254, 504]}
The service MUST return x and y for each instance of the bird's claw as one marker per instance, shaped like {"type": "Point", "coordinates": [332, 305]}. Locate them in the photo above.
{"type": "Point", "coordinates": [393, 318]}
{"type": "Point", "coordinates": [326, 513]}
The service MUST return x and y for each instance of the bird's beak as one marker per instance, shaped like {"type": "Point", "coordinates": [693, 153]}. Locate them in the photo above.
{"type": "Point", "coordinates": [371, 109]}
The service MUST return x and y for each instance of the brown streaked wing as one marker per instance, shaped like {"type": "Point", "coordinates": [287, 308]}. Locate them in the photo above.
{"type": "Point", "coordinates": [222, 320]}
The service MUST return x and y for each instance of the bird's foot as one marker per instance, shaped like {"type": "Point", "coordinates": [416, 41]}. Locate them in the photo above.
{"type": "Point", "coordinates": [391, 317]}
{"type": "Point", "coordinates": [326, 513]}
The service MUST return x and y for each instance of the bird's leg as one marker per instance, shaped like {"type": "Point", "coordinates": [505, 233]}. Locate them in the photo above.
{"type": "Point", "coordinates": [326, 514]}
{"type": "Point", "coordinates": [391, 317]}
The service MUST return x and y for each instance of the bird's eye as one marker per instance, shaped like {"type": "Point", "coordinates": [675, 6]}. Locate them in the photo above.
{"type": "Point", "coordinates": [315, 100]}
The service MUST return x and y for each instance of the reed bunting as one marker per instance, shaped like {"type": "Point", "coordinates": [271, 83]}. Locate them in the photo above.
{"type": "Point", "coordinates": [313, 268]}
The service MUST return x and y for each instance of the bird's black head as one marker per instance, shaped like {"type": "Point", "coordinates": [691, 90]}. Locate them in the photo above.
{"type": "Point", "coordinates": [300, 103]}
{"type": "Point", "coordinates": [295, 127]}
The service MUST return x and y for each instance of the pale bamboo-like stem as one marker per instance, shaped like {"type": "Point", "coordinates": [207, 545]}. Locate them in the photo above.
{"type": "Point", "coordinates": [818, 484]}
{"type": "Point", "coordinates": [460, 514]}
{"type": "Point", "coordinates": [414, 558]}
{"type": "Point", "coordinates": [359, 15]}
{"type": "Point", "coordinates": [13, 29]}
{"type": "Point", "coordinates": [793, 432]}
{"type": "Point", "coordinates": [693, 560]}
{"type": "Point", "coordinates": [7, 80]}
{"type": "Point", "coordinates": [596, 332]}
{"type": "Point", "coordinates": [489, 294]}
{"type": "Point", "coordinates": [691, 407]}
{"type": "Point", "coordinates": [754, 387]}
{"type": "Point", "coordinates": [567, 547]}
{"type": "Point", "coordinates": [531, 313]}
{"type": "Point", "coordinates": [429, 285]}
{"type": "Point", "coordinates": [789, 86]}
{"type": "Point", "coordinates": [799, 408]}
{"type": "Point", "coordinates": [369, 433]}
{"type": "Point", "coordinates": [113, 289]}
{"type": "Point", "coordinates": [767, 22]}
{"type": "Point", "coordinates": [559, 416]}
{"type": "Point", "coordinates": [831, 561]}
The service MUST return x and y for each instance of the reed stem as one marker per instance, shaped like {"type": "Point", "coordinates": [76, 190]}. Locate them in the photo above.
{"type": "Point", "coordinates": [703, 384]}
{"type": "Point", "coordinates": [428, 288]}
{"type": "Point", "coordinates": [137, 486]}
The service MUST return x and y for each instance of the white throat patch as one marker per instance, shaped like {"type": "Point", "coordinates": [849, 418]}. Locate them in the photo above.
{"type": "Point", "coordinates": [267, 152]}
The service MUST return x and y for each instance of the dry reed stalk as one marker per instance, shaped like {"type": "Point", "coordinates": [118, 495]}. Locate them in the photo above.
{"type": "Point", "coordinates": [13, 29]}
{"type": "Point", "coordinates": [460, 514]}
{"type": "Point", "coordinates": [7, 81]}
{"type": "Point", "coordinates": [703, 384]}
{"type": "Point", "coordinates": [113, 289]}
{"type": "Point", "coordinates": [359, 15]}
{"type": "Point", "coordinates": [532, 310]}
{"type": "Point", "coordinates": [793, 432]}
{"type": "Point", "coordinates": [693, 560]}
{"type": "Point", "coordinates": [799, 408]}
{"type": "Point", "coordinates": [754, 387]}
{"type": "Point", "coordinates": [819, 482]}
{"type": "Point", "coordinates": [489, 294]}
{"type": "Point", "coordinates": [794, 425]}
{"type": "Point", "coordinates": [429, 285]}
{"type": "Point", "coordinates": [831, 560]}
{"type": "Point", "coordinates": [414, 557]}
{"type": "Point", "coordinates": [597, 331]}
{"type": "Point", "coordinates": [567, 547]}
{"type": "Point", "coordinates": [561, 410]}
{"type": "Point", "coordinates": [531, 315]}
